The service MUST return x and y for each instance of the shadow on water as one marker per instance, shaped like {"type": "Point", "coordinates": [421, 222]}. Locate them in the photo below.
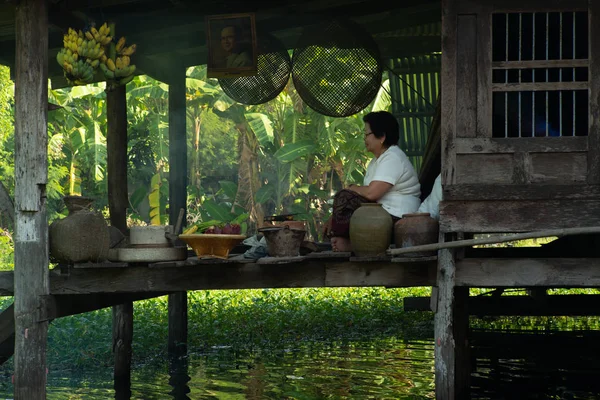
{"type": "Point", "coordinates": [535, 365]}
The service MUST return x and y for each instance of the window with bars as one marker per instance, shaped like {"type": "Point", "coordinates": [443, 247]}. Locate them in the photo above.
{"type": "Point", "coordinates": [540, 74]}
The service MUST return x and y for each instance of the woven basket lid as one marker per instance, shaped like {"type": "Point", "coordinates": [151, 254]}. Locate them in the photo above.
{"type": "Point", "coordinates": [337, 68]}
{"type": "Point", "coordinates": [273, 72]}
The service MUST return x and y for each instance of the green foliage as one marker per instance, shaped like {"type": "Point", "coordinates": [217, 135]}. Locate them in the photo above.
{"type": "Point", "coordinates": [244, 319]}
{"type": "Point", "coordinates": [7, 143]}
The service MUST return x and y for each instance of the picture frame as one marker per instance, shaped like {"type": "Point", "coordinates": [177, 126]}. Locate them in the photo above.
{"type": "Point", "coordinates": [231, 45]}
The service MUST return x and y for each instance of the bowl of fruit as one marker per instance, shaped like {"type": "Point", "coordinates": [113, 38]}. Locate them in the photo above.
{"type": "Point", "coordinates": [214, 240]}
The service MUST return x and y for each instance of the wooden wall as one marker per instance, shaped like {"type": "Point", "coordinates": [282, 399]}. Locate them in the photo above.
{"type": "Point", "coordinates": [510, 184]}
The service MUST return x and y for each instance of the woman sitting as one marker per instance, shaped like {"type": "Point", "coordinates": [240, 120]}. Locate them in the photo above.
{"type": "Point", "coordinates": [390, 180]}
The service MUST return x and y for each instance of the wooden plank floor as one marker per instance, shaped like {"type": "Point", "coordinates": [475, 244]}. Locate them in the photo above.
{"type": "Point", "coordinates": [203, 274]}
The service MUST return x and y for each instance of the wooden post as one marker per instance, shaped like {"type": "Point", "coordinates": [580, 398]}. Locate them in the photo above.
{"type": "Point", "coordinates": [177, 199]}
{"type": "Point", "coordinates": [116, 158]}
{"type": "Point", "coordinates": [122, 338]}
{"type": "Point", "coordinates": [31, 280]}
{"type": "Point", "coordinates": [452, 369]}
{"type": "Point", "coordinates": [116, 141]}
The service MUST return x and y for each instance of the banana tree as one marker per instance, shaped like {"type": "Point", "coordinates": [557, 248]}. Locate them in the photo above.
{"type": "Point", "coordinates": [77, 145]}
{"type": "Point", "coordinates": [148, 148]}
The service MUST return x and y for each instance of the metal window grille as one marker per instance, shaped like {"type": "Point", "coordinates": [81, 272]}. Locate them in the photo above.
{"type": "Point", "coordinates": [540, 74]}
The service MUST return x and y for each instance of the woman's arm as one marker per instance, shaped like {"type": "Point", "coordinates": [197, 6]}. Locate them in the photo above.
{"type": "Point", "coordinates": [374, 191]}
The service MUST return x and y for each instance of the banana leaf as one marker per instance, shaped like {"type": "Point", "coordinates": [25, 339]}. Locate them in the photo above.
{"type": "Point", "coordinates": [217, 211]}
{"type": "Point", "coordinates": [229, 188]}
{"type": "Point", "coordinates": [292, 151]}
{"type": "Point", "coordinates": [262, 127]}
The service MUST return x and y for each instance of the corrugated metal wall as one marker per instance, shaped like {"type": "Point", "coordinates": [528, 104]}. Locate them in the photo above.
{"type": "Point", "coordinates": [415, 86]}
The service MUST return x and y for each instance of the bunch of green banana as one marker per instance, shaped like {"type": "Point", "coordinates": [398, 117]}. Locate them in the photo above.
{"type": "Point", "coordinates": [72, 40]}
{"type": "Point", "coordinates": [82, 53]}
{"type": "Point", "coordinates": [101, 35]}
{"type": "Point", "coordinates": [79, 73]}
{"type": "Point", "coordinates": [119, 69]}
{"type": "Point", "coordinates": [124, 51]}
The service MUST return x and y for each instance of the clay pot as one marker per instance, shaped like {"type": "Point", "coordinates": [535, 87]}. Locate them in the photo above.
{"type": "Point", "coordinates": [370, 230]}
{"type": "Point", "coordinates": [283, 241]}
{"type": "Point", "coordinates": [82, 236]}
{"type": "Point", "coordinates": [416, 229]}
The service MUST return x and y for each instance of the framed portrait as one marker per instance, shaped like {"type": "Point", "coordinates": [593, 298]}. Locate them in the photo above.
{"type": "Point", "coordinates": [231, 44]}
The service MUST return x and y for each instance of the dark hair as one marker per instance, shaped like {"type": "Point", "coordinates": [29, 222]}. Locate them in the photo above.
{"type": "Point", "coordinates": [236, 30]}
{"type": "Point", "coordinates": [383, 123]}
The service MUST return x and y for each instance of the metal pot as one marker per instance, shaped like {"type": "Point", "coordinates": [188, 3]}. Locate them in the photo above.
{"type": "Point", "coordinates": [283, 241]}
{"type": "Point", "coordinates": [150, 235]}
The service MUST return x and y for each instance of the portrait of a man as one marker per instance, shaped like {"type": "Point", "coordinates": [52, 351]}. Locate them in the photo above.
{"type": "Point", "coordinates": [231, 43]}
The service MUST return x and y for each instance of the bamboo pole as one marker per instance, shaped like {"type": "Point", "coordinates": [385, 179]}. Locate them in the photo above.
{"type": "Point", "coordinates": [496, 239]}
{"type": "Point", "coordinates": [31, 280]}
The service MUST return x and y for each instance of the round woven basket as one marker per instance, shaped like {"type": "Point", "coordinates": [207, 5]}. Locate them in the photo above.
{"type": "Point", "coordinates": [337, 68]}
{"type": "Point", "coordinates": [273, 72]}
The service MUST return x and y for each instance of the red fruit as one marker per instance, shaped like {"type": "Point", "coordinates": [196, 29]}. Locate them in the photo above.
{"type": "Point", "coordinates": [227, 229]}
{"type": "Point", "coordinates": [236, 229]}
{"type": "Point", "coordinates": [210, 230]}
{"type": "Point", "coordinates": [218, 230]}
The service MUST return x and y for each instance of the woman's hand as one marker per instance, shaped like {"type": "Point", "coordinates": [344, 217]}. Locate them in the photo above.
{"type": "Point", "coordinates": [373, 192]}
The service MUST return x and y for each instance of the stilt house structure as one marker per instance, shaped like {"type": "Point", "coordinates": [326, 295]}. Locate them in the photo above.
{"type": "Point", "coordinates": [518, 137]}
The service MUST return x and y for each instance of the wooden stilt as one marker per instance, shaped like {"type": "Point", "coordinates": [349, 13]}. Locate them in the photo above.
{"type": "Point", "coordinates": [116, 139]}
{"type": "Point", "coordinates": [451, 328]}
{"type": "Point", "coordinates": [177, 200]}
{"type": "Point", "coordinates": [31, 175]}
{"type": "Point", "coordinates": [122, 338]}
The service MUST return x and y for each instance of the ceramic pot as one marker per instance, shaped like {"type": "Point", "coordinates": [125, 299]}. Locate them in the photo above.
{"type": "Point", "coordinates": [82, 236]}
{"type": "Point", "coordinates": [283, 241]}
{"type": "Point", "coordinates": [416, 229]}
{"type": "Point", "coordinates": [370, 230]}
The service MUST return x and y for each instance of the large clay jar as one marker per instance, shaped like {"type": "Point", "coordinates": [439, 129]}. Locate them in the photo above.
{"type": "Point", "coordinates": [80, 237]}
{"type": "Point", "coordinates": [370, 230]}
{"type": "Point", "coordinates": [414, 230]}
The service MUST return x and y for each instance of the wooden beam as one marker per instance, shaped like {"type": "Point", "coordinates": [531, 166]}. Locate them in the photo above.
{"type": "Point", "coordinates": [449, 91]}
{"type": "Point", "coordinates": [116, 140]}
{"type": "Point", "coordinates": [468, 192]}
{"type": "Point", "coordinates": [528, 145]}
{"type": "Point", "coordinates": [449, 330]}
{"type": "Point", "coordinates": [529, 272]}
{"type": "Point", "coordinates": [122, 338]}
{"type": "Point", "coordinates": [61, 306]}
{"type": "Point", "coordinates": [593, 160]}
{"type": "Point", "coordinates": [116, 160]}
{"type": "Point", "coordinates": [178, 316]}
{"type": "Point", "coordinates": [517, 216]}
{"type": "Point", "coordinates": [31, 177]}
{"type": "Point", "coordinates": [307, 273]}
{"type": "Point", "coordinates": [555, 305]}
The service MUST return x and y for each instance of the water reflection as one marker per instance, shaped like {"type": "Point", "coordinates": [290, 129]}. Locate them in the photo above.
{"type": "Point", "coordinates": [179, 378]}
{"type": "Point", "coordinates": [555, 365]}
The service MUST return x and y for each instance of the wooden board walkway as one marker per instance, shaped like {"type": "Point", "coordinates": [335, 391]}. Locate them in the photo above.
{"type": "Point", "coordinates": [194, 274]}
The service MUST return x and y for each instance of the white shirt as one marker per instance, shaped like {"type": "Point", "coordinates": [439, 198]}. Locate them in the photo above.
{"type": "Point", "coordinates": [393, 167]}
{"type": "Point", "coordinates": [431, 204]}
{"type": "Point", "coordinates": [235, 60]}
